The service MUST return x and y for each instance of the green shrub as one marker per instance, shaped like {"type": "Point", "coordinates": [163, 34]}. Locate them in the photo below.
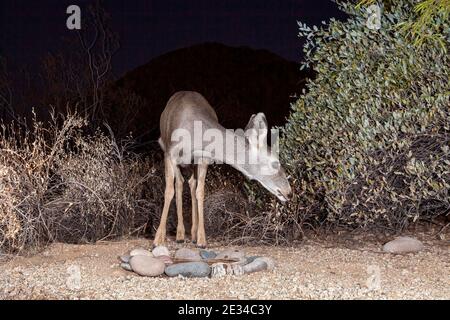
{"type": "Point", "coordinates": [368, 144]}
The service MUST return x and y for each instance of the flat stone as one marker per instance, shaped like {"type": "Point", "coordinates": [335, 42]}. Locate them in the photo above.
{"type": "Point", "coordinates": [231, 254]}
{"type": "Point", "coordinates": [166, 259]}
{"type": "Point", "coordinates": [161, 251]}
{"type": "Point", "coordinates": [189, 269]}
{"type": "Point", "coordinates": [147, 266]}
{"type": "Point", "coordinates": [205, 254]}
{"type": "Point", "coordinates": [140, 252]}
{"type": "Point", "coordinates": [403, 245]}
{"type": "Point", "coordinates": [187, 254]}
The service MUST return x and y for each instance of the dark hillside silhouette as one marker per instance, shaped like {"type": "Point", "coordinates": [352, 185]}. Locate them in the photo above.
{"type": "Point", "coordinates": [236, 81]}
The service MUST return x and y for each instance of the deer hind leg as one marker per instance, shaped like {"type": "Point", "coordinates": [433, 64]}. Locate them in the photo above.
{"type": "Point", "coordinates": [200, 195]}
{"type": "Point", "coordinates": [193, 188]}
{"type": "Point", "coordinates": [169, 173]}
{"type": "Point", "coordinates": [179, 201]}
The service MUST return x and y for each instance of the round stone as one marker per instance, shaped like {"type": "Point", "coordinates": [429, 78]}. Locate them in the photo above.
{"type": "Point", "coordinates": [403, 245]}
{"type": "Point", "coordinates": [147, 266]}
{"type": "Point", "coordinates": [161, 251]}
{"type": "Point", "coordinates": [205, 254]}
{"type": "Point", "coordinates": [140, 252]}
{"type": "Point", "coordinates": [231, 254]}
{"type": "Point", "coordinates": [189, 269]}
{"type": "Point", "coordinates": [166, 259]}
{"type": "Point", "coordinates": [187, 254]}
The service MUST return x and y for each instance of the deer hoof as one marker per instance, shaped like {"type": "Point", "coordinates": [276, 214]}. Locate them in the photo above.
{"type": "Point", "coordinates": [157, 244]}
{"type": "Point", "coordinates": [201, 246]}
{"type": "Point", "coordinates": [180, 241]}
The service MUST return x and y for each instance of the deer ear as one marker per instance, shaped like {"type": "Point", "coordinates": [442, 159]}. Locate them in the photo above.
{"type": "Point", "coordinates": [257, 121]}
{"type": "Point", "coordinates": [256, 130]}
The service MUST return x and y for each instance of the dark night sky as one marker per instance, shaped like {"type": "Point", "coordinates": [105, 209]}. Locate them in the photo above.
{"type": "Point", "coordinates": [148, 28]}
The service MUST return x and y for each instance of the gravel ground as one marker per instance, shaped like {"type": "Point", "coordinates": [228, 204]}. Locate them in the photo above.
{"type": "Point", "coordinates": [314, 269]}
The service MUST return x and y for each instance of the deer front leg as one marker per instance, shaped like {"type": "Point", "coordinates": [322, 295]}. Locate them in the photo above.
{"type": "Point", "coordinates": [160, 236]}
{"type": "Point", "coordinates": [193, 188]}
{"type": "Point", "coordinates": [179, 201]}
{"type": "Point", "coordinates": [200, 195]}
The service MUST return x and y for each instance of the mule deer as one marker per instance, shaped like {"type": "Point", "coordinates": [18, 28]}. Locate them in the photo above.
{"type": "Point", "coordinates": [186, 110]}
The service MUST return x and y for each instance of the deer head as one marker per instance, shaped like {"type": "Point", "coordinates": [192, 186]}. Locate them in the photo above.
{"type": "Point", "coordinates": [264, 165]}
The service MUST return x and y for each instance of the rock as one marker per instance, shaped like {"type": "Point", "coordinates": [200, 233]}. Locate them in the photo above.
{"type": "Point", "coordinates": [140, 252]}
{"type": "Point", "coordinates": [126, 266]}
{"type": "Point", "coordinates": [221, 269]}
{"type": "Point", "coordinates": [166, 259]}
{"type": "Point", "coordinates": [403, 245]}
{"type": "Point", "coordinates": [233, 254]}
{"type": "Point", "coordinates": [160, 251]}
{"type": "Point", "coordinates": [189, 269]}
{"type": "Point", "coordinates": [147, 266]}
{"type": "Point", "coordinates": [255, 266]}
{"type": "Point", "coordinates": [187, 254]}
{"type": "Point", "coordinates": [218, 270]}
{"type": "Point", "coordinates": [125, 258]}
{"type": "Point", "coordinates": [207, 254]}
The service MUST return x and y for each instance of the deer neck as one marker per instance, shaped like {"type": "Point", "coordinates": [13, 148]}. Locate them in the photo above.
{"type": "Point", "coordinates": [233, 148]}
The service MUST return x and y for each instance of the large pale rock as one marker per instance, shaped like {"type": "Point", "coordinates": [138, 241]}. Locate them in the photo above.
{"type": "Point", "coordinates": [147, 266]}
{"type": "Point", "coordinates": [403, 245]}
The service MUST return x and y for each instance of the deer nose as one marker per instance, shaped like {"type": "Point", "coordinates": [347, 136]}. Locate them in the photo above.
{"type": "Point", "coordinates": [284, 195]}
{"type": "Point", "coordinates": [288, 194]}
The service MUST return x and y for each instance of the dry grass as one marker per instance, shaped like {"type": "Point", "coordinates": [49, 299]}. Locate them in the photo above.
{"type": "Point", "coordinates": [59, 183]}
